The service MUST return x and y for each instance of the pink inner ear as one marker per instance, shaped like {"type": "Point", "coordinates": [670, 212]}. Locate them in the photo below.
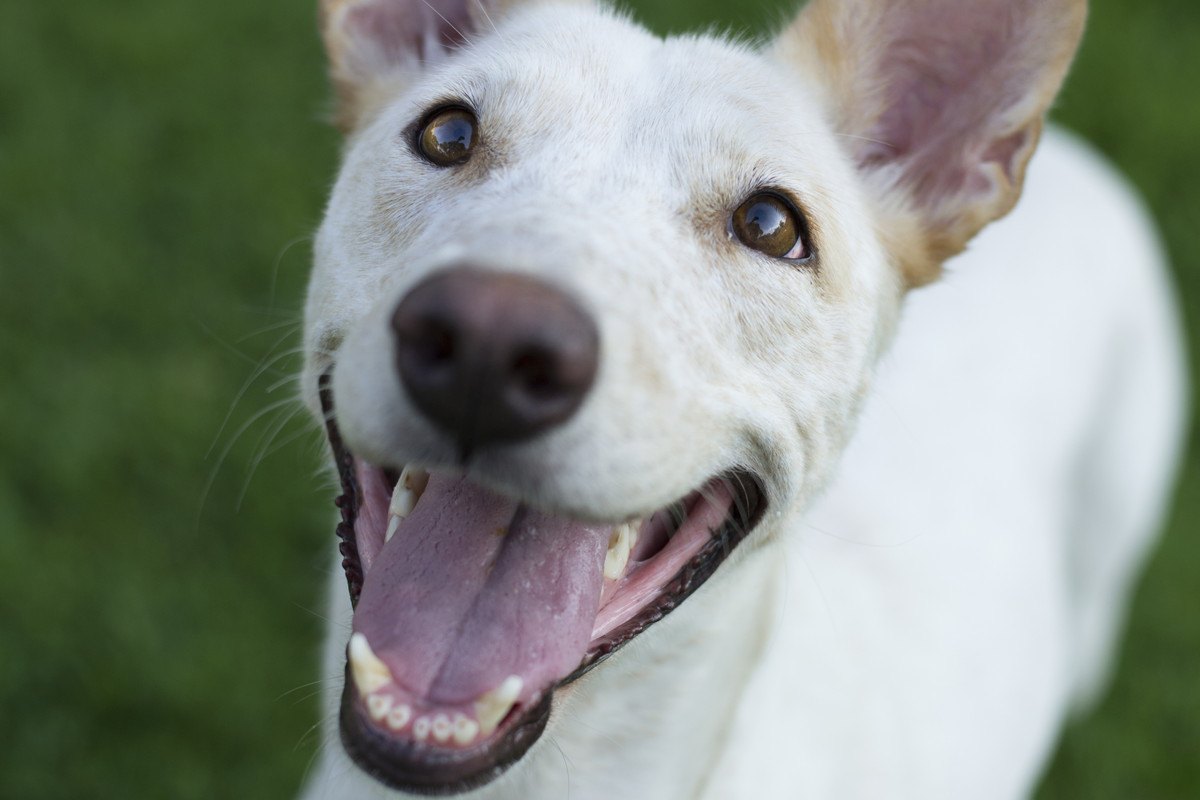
{"type": "Point", "coordinates": [953, 69]}
{"type": "Point", "coordinates": [405, 29]}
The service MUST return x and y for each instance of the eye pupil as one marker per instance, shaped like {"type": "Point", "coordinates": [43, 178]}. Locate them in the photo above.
{"type": "Point", "coordinates": [765, 220]}
{"type": "Point", "coordinates": [449, 137]}
{"type": "Point", "coordinates": [770, 225]}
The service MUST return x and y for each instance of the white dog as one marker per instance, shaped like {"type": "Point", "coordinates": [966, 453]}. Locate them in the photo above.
{"type": "Point", "coordinates": [596, 316]}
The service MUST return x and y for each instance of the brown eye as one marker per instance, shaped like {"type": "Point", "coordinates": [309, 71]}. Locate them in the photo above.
{"type": "Point", "coordinates": [768, 224]}
{"type": "Point", "coordinates": [449, 136]}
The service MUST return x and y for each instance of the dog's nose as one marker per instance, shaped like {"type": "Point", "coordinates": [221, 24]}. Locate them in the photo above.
{"type": "Point", "coordinates": [493, 357]}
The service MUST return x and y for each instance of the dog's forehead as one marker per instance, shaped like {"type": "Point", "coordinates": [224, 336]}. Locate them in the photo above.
{"type": "Point", "coordinates": [602, 85]}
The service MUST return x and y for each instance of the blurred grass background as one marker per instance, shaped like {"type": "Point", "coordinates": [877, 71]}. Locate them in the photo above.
{"type": "Point", "coordinates": [162, 165]}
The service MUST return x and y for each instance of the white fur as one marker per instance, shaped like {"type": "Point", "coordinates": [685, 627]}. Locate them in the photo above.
{"type": "Point", "coordinates": [923, 627]}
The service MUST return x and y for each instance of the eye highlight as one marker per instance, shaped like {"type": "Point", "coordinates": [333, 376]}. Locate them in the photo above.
{"type": "Point", "coordinates": [448, 136]}
{"type": "Point", "coordinates": [769, 224]}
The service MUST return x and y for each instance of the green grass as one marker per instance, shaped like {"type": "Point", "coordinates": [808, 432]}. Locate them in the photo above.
{"type": "Point", "coordinates": [161, 165]}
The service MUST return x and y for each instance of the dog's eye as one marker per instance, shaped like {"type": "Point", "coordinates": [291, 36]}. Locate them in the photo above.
{"type": "Point", "coordinates": [448, 136]}
{"type": "Point", "coordinates": [768, 223]}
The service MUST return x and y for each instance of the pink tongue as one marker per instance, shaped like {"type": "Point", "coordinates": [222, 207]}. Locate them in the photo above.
{"type": "Point", "coordinates": [474, 587]}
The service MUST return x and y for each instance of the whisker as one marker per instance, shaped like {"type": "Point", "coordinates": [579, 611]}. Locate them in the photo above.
{"type": "Point", "coordinates": [284, 381]}
{"type": "Point", "coordinates": [820, 592]}
{"type": "Point", "coordinates": [566, 763]}
{"type": "Point", "coordinates": [263, 366]}
{"type": "Point", "coordinates": [289, 323]}
{"type": "Point", "coordinates": [212, 475]}
{"type": "Point", "coordinates": [487, 16]}
{"type": "Point", "coordinates": [322, 617]}
{"type": "Point", "coordinates": [262, 447]}
{"type": "Point", "coordinates": [865, 139]}
{"type": "Point", "coordinates": [279, 261]}
{"type": "Point", "coordinates": [233, 349]}
{"type": "Point", "coordinates": [321, 721]}
{"type": "Point", "coordinates": [328, 681]}
{"type": "Point", "coordinates": [871, 545]}
{"type": "Point", "coordinates": [453, 27]}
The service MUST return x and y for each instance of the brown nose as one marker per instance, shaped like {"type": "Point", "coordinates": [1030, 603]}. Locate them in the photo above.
{"type": "Point", "coordinates": [493, 357]}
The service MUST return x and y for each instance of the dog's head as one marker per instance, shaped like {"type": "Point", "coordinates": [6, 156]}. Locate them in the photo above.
{"type": "Point", "coordinates": [591, 309]}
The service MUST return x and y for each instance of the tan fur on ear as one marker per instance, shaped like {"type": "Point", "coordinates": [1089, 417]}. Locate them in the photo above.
{"type": "Point", "coordinates": [942, 154]}
{"type": "Point", "coordinates": [352, 89]}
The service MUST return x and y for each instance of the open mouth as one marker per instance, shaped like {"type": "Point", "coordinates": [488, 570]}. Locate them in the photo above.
{"type": "Point", "coordinates": [472, 608]}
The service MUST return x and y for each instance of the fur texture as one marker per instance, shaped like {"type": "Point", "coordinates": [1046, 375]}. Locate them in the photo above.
{"type": "Point", "coordinates": [923, 627]}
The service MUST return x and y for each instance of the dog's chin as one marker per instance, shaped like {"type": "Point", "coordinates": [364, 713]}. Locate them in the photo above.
{"type": "Point", "coordinates": [472, 609]}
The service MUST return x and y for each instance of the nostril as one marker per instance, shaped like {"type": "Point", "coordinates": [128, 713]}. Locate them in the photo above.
{"type": "Point", "coordinates": [427, 343]}
{"type": "Point", "coordinates": [535, 371]}
{"type": "Point", "coordinates": [433, 343]}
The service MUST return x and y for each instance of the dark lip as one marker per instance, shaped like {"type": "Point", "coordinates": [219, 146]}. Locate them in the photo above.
{"type": "Point", "coordinates": [424, 770]}
{"type": "Point", "coordinates": [414, 768]}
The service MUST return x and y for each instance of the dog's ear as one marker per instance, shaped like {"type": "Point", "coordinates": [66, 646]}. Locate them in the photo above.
{"type": "Point", "coordinates": [376, 45]}
{"type": "Point", "coordinates": [939, 102]}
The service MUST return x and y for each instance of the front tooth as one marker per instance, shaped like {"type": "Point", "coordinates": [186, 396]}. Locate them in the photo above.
{"type": "Point", "coordinates": [492, 706]}
{"type": "Point", "coordinates": [421, 729]}
{"type": "Point", "coordinates": [370, 674]}
{"type": "Point", "coordinates": [398, 717]}
{"type": "Point", "coordinates": [393, 524]}
{"type": "Point", "coordinates": [442, 727]}
{"type": "Point", "coordinates": [379, 705]}
{"type": "Point", "coordinates": [624, 537]}
{"type": "Point", "coordinates": [465, 729]}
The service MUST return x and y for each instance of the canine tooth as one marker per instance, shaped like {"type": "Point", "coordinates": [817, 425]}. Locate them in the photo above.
{"type": "Point", "coordinates": [379, 705]}
{"type": "Point", "coordinates": [409, 487]}
{"type": "Point", "coordinates": [408, 490]}
{"type": "Point", "coordinates": [624, 537]}
{"type": "Point", "coordinates": [465, 729]}
{"type": "Point", "coordinates": [421, 729]}
{"type": "Point", "coordinates": [442, 727]}
{"type": "Point", "coordinates": [402, 502]}
{"type": "Point", "coordinates": [398, 717]}
{"type": "Point", "coordinates": [415, 480]}
{"type": "Point", "coordinates": [492, 706]}
{"type": "Point", "coordinates": [370, 674]}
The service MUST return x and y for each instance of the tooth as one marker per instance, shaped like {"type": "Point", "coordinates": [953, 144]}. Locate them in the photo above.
{"type": "Point", "coordinates": [370, 674]}
{"type": "Point", "coordinates": [408, 491]}
{"type": "Point", "coordinates": [379, 705]}
{"type": "Point", "coordinates": [398, 717]}
{"type": "Point", "coordinates": [624, 537]}
{"type": "Point", "coordinates": [442, 728]}
{"type": "Point", "coordinates": [415, 480]}
{"type": "Point", "coordinates": [492, 706]}
{"type": "Point", "coordinates": [421, 729]}
{"type": "Point", "coordinates": [465, 729]}
{"type": "Point", "coordinates": [402, 501]}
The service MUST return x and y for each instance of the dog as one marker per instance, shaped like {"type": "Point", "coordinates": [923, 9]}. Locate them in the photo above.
{"type": "Point", "coordinates": [649, 489]}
